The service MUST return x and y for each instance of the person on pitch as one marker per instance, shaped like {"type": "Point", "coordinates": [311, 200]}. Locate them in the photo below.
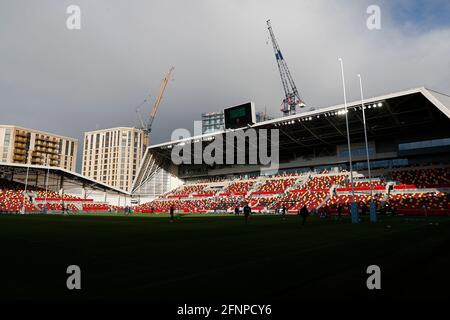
{"type": "Point", "coordinates": [247, 211]}
{"type": "Point", "coordinates": [172, 210]}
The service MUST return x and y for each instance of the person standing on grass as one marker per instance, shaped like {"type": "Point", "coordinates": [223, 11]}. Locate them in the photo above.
{"type": "Point", "coordinates": [247, 211]}
{"type": "Point", "coordinates": [283, 212]}
{"type": "Point", "coordinates": [339, 210]}
{"type": "Point", "coordinates": [364, 209]}
{"type": "Point", "coordinates": [320, 212]}
{"type": "Point", "coordinates": [325, 212]}
{"type": "Point", "coordinates": [394, 211]}
{"type": "Point", "coordinates": [172, 210]}
{"type": "Point", "coordinates": [236, 210]}
{"type": "Point", "coordinates": [304, 214]}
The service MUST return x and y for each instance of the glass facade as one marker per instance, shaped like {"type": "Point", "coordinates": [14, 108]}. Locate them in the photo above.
{"type": "Point", "coordinates": [212, 122]}
{"type": "Point", "coordinates": [424, 144]}
{"type": "Point", "coordinates": [359, 151]}
{"type": "Point", "coordinates": [6, 144]}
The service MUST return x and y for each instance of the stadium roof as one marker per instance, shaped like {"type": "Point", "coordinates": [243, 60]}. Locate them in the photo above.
{"type": "Point", "coordinates": [439, 100]}
{"type": "Point", "coordinates": [409, 115]}
{"type": "Point", "coordinates": [74, 178]}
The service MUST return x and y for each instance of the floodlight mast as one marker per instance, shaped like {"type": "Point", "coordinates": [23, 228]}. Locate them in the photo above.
{"type": "Point", "coordinates": [292, 99]}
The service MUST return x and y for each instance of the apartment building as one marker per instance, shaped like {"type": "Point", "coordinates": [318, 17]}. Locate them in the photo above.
{"type": "Point", "coordinates": [112, 156]}
{"type": "Point", "coordinates": [29, 146]}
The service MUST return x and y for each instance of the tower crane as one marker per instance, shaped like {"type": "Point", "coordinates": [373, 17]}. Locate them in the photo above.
{"type": "Point", "coordinates": [292, 98]}
{"type": "Point", "coordinates": [147, 125]}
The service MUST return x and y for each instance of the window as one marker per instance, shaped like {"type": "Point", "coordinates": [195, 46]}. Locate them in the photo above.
{"type": "Point", "coordinates": [7, 137]}
{"type": "Point", "coordinates": [107, 140]}
{"type": "Point", "coordinates": [424, 144]}
{"type": "Point", "coordinates": [361, 151]}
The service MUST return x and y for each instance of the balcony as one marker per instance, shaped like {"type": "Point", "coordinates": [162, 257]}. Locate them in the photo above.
{"type": "Point", "coordinates": [52, 146]}
{"type": "Point", "coordinates": [46, 139]}
{"type": "Point", "coordinates": [19, 158]}
{"type": "Point", "coordinates": [20, 151]}
{"type": "Point", "coordinates": [51, 150]}
{"type": "Point", "coordinates": [19, 145]}
{"type": "Point", "coordinates": [37, 162]}
{"type": "Point", "coordinates": [21, 139]}
{"type": "Point", "coordinates": [21, 133]}
{"type": "Point", "coordinates": [40, 143]}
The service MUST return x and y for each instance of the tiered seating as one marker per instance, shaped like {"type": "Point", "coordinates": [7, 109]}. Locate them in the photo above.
{"type": "Point", "coordinates": [186, 190]}
{"type": "Point", "coordinates": [212, 179]}
{"type": "Point", "coordinates": [324, 182]}
{"type": "Point", "coordinates": [290, 199]}
{"type": "Point", "coordinates": [58, 207]}
{"type": "Point", "coordinates": [13, 201]}
{"type": "Point", "coordinates": [272, 194]}
{"type": "Point", "coordinates": [273, 186]}
{"type": "Point", "coordinates": [311, 194]}
{"type": "Point", "coordinates": [239, 187]}
{"type": "Point", "coordinates": [377, 185]}
{"type": "Point", "coordinates": [365, 184]}
{"type": "Point", "coordinates": [286, 174]}
{"type": "Point", "coordinates": [180, 205]}
{"type": "Point", "coordinates": [12, 198]}
{"type": "Point", "coordinates": [226, 203]}
{"type": "Point", "coordinates": [312, 199]}
{"type": "Point", "coordinates": [96, 207]}
{"type": "Point", "coordinates": [423, 178]}
{"type": "Point", "coordinates": [259, 203]}
{"type": "Point", "coordinates": [55, 196]}
{"type": "Point", "coordinates": [296, 200]}
{"type": "Point", "coordinates": [116, 208]}
{"type": "Point", "coordinates": [332, 203]}
{"type": "Point", "coordinates": [417, 203]}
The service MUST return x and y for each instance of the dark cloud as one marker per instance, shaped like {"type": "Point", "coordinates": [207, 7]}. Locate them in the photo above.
{"type": "Point", "coordinates": [69, 82]}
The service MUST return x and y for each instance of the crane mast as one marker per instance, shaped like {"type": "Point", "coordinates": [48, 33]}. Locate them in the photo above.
{"type": "Point", "coordinates": [292, 98]}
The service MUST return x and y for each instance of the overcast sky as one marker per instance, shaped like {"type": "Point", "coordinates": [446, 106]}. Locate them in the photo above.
{"type": "Point", "coordinates": [70, 81]}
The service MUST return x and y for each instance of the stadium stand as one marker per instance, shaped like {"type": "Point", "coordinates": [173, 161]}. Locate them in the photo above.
{"type": "Point", "coordinates": [185, 190]}
{"type": "Point", "coordinates": [430, 203]}
{"type": "Point", "coordinates": [239, 187]}
{"type": "Point", "coordinates": [275, 185]}
{"type": "Point", "coordinates": [344, 200]}
{"type": "Point", "coordinates": [13, 198]}
{"type": "Point", "coordinates": [323, 190]}
{"type": "Point", "coordinates": [423, 178]}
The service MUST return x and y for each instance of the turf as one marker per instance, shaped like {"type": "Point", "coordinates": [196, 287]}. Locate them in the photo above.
{"type": "Point", "coordinates": [217, 257]}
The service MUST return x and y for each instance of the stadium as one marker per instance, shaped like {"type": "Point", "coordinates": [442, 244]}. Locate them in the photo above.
{"type": "Point", "coordinates": [409, 173]}
{"type": "Point", "coordinates": [408, 148]}
{"type": "Point", "coordinates": [336, 199]}
{"type": "Point", "coordinates": [408, 145]}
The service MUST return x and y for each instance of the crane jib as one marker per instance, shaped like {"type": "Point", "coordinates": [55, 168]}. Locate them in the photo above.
{"type": "Point", "coordinates": [292, 98]}
{"type": "Point", "coordinates": [278, 55]}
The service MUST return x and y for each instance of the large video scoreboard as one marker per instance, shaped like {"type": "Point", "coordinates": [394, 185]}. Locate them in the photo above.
{"type": "Point", "coordinates": [240, 116]}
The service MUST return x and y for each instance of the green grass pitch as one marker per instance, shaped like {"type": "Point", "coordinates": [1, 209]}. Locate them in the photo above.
{"type": "Point", "coordinates": [219, 257]}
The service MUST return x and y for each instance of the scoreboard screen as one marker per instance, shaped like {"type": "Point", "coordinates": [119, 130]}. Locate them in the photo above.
{"type": "Point", "coordinates": [240, 116]}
